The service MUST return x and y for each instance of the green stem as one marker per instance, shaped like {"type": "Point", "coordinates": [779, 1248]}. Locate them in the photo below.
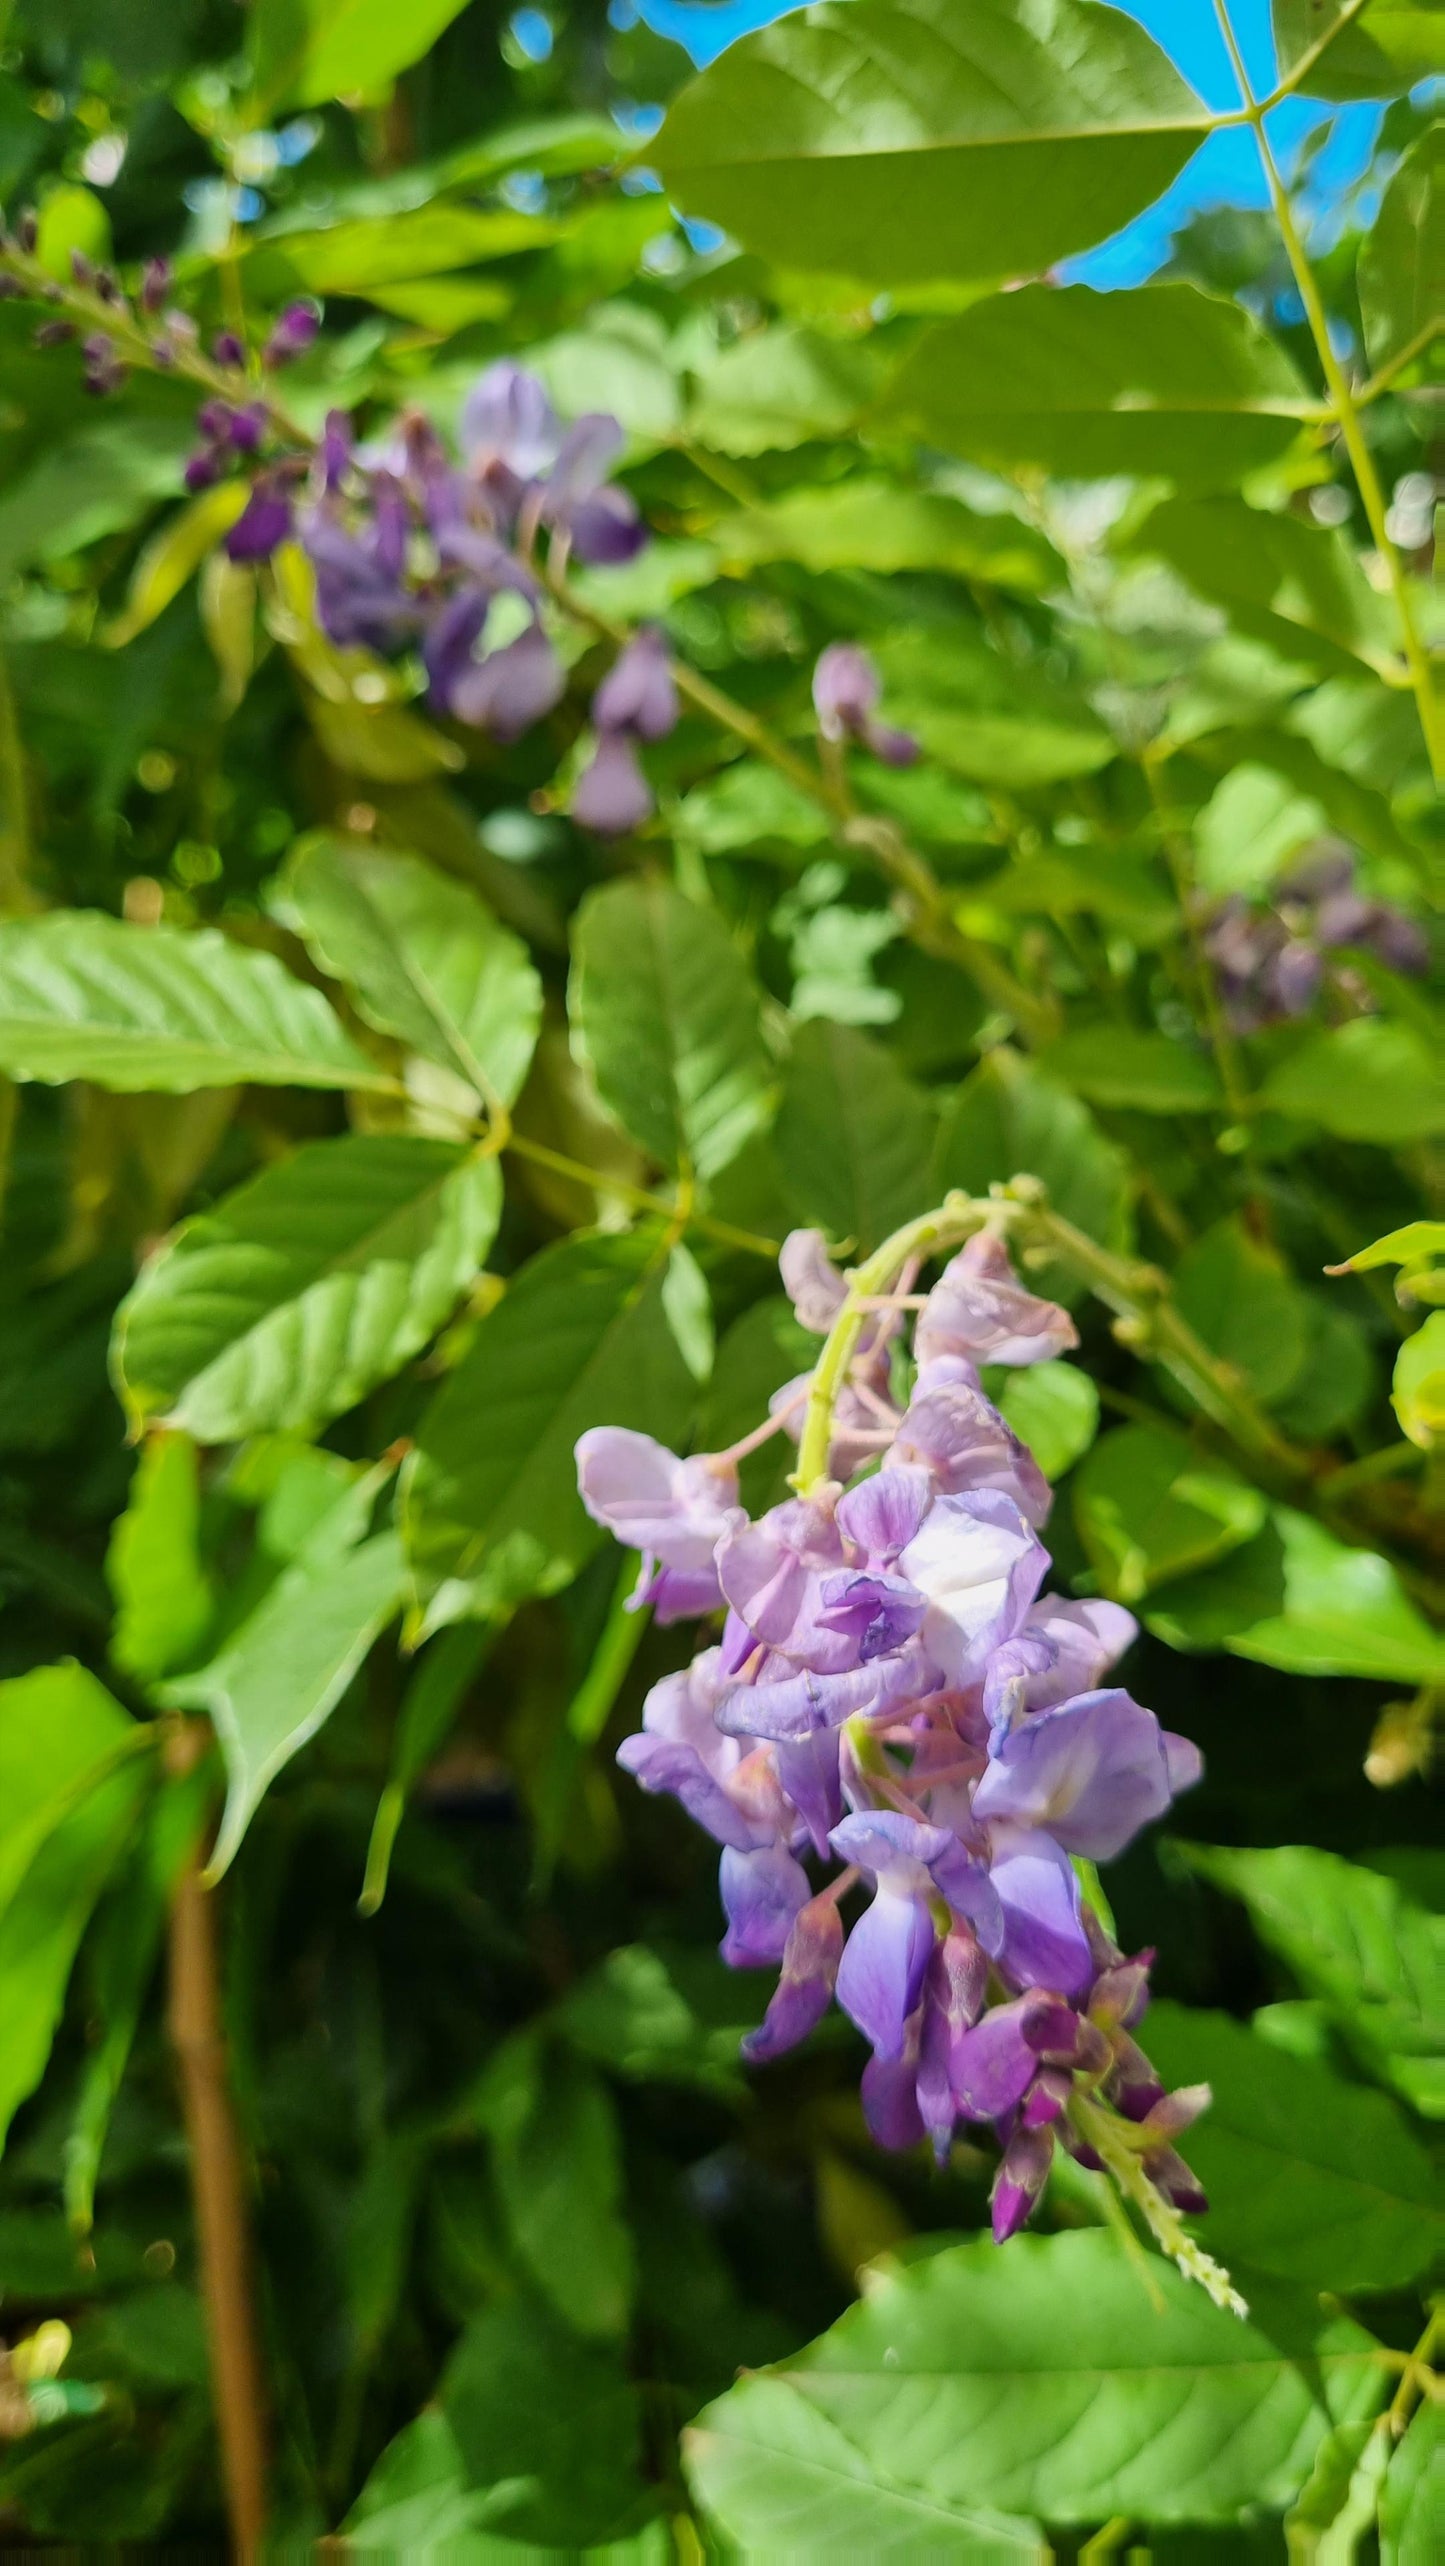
{"type": "Point", "coordinates": [1115, 2142]}
{"type": "Point", "coordinates": [1346, 412]}
{"type": "Point", "coordinates": [955, 1221]}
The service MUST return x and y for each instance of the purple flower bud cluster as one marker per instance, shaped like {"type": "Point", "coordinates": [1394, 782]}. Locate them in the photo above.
{"type": "Point", "coordinates": [892, 1691]}
{"type": "Point", "coordinates": [1272, 963]}
{"type": "Point", "coordinates": [846, 690]}
{"type": "Point", "coordinates": [637, 700]}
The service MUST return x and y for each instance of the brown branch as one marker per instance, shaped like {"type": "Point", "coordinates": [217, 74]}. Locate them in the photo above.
{"type": "Point", "coordinates": [219, 2189]}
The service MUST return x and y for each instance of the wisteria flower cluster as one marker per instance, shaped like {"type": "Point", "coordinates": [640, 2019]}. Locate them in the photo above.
{"type": "Point", "coordinates": [417, 552]}
{"type": "Point", "coordinates": [894, 1699]}
{"type": "Point", "coordinates": [1272, 963]}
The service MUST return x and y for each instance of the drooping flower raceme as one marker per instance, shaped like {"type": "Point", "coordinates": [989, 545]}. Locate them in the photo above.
{"type": "Point", "coordinates": [905, 1746]}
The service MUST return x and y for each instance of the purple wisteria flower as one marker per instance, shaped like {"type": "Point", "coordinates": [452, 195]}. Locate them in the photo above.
{"type": "Point", "coordinates": [1272, 962]}
{"type": "Point", "coordinates": [892, 1691]}
{"type": "Point", "coordinates": [846, 690]}
{"type": "Point", "coordinates": [637, 700]}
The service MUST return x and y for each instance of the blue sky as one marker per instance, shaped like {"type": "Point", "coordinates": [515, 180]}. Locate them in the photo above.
{"type": "Point", "coordinates": [1224, 171]}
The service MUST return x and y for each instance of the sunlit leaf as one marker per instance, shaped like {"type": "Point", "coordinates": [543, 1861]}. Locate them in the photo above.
{"type": "Point", "coordinates": [1297, 1598]}
{"type": "Point", "coordinates": [85, 996]}
{"type": "Point", "coordinates": [164, 1599]}
{"type": "Point", "coordinates": [1164, 380]}
{"type": "Point", "coordinates": [868, 524]}
{"type": "Point", "coordinates": [1365, 1080]}
{"type": "Point", "coordinates": [898, 139]}
{"type": "Point", "coordinates": [1150, 1508]}
{"type": "Point", "coordinates": [853, 1136]}
{"type": "Point", "coordinates": [303, 52]}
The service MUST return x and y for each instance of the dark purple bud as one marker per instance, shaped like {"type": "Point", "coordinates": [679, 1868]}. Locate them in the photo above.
{"type": "Point", "coordinates": [227, 349]}
{"type": "Point", "coordinates": [638, 694]}
{"type": "Point", "coordinates": [214, 420]}
{"type": "Point", "coordinates": [335, 450]}
{"type": "Point", "coordinates": [810, 1968]}
{"type": "Point", "coordinates": [1399, 942]}
{"type": "Point", "coordinates": [1177, 2181]}
{"type": "Point", "coordinates": [11, 289]}
{"type": "Point", "coordinates": [846, 688]}
{"type": "Point", "coordinates": [248, 427]}
{"type": "Point", "coordinates": [895, 748]}
{"type": "Point", "coordinates": [1021, 2178]}
{"type": "Point", "coordinates": [202, 469]}
{"type": "Point", "coordinates": [53, 334]}
{"type": "Point", "coordinates": [264, 523]}
{"type": "Point", "coordinates": [81, 268]}
{"type": "Point", "coordinates": [613, 795]}
{"type": "Point", "coordinates": [292, 334]}
{"type": "Point", "coordinates": [103, 369]}
{"type": "Point", "coordinates": [155, 283]}
{"type": "Point", "coordinates": [1292, 979]}
{"type": "Point", "coordinates": [1343, 918]}
{"type": "Point", "coordinates": [106, 286]}
{"type": "Point", "coordinates": [27, 231]}
{"type": "Point", "coordinates": [1329, 868]}
{"type": "Point", "coordinates": [511, 688]}
{"type": "Point", "coordinates": [606, 528]}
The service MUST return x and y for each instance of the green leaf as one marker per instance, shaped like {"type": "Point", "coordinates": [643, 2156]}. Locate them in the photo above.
{"type": "Point", "coordinates": [1101, 882]}
{"type": "Point", "coordinates": [1296, 1598]}
{"type": "Point", "coordinates": [661, 2017]}
{"type": "Point", "coordinates": [898, 139]}
{"type": "Point", "coordinates": [71, 218]}
{"type": "Point", "coordinates": [416, 2503]}
{"type": "Point", "coordinates": [1054, 1407]}
{"type": "Point", "coordinates": [1166, 379]}
{"type": "Point", "coordinates": [994, 720]}
{"type": "Point", "coordinates": [489, 1497]}
{"type": "Point", "coordinates": [1149, 1508]}
{"type": "Point", "coordinates": [305, 1287]}
{"type": "Point", "coordinates": [440, 1678]}
{"type": "Point", "coordinates": [173, 557]}
{"type": "Point", "coordinates": [779, 388]}
{"type": "Point", "coordinates": [163, 1596]}
{"type": "Point", "coordinates": [1238, 1296]}
{"type": "Point", "coordinates": [1415, 1249]}
{"type": "Point", "coordinates": [1009, 1119]}
{"type": "Point", "coordinates": [1337, 2504]}
{"type": "Point", "coordinates": [1365, 1080]}
{"type": "Point", "coordinates": [1336, 1381]}
{"type": "Point", "coordinates": [43, 1920]}
{"type": "Point", "coordinates": [1402, 261]}
{"type": "Point", "coordinates": [665, 1013]}
{"type": "Point", "coordinates": [868, 524]}
{"type": "Point", "coordinates": [1146, 1072]}
{"type": "Point", "coordinates": [1357, 1942]}
{"type": "Point", "coordinates": [1339, 51]}
{"type": "Point", "coordinates": [557, 2158]}
{"type": "Point", "coordinates": [1043, 2382]}
{"type": "Point", "coordinates": [1254, 824]}
{"type": "Point", "coordinates": [302, 52]}
{"type": "Point", "coordinates": [89, 485]}
{"type": "Point", "coordinates": [747, 806]}
{"type": "Point", "coordinates": [423, 957]}
{"type": "Point", "coordinates": [1295, 585]}
{"type": "Point", "coordinates": [85, 996]}
{"type": "Point", "coordinates": [122, 1957]}
{"type": "Point", "coordinates": [285, 1667]}
{"type": "Point", "coordinates": [1414, 2493]}
{"type": "Point", "coordinates": [548, 2422]}
{"type": "Point", "coordinates": [1309, 2178]}
{"type": "Point", "coordinates": [853, 1136]}
{"type": "Point", "coordinates": [60, 1731]}
{"type": "Point", "coordinates": [352, 257]}
{"type": "Point", "coordinates": [1418, 1394]}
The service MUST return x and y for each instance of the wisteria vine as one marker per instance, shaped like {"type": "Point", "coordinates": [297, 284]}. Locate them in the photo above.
{"type": "Point", "coordinates": [892, 1693]}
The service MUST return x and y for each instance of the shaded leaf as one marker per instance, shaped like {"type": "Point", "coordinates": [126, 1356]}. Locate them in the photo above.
{"type": "Point", "coordinates": [556, 2154]}
{"type": "Point", "coordinates": [1365, 1080]}
{"type": "Point", "coordinates": [1402, 261]}
{"type": "Point", "coordinates": [1339, 51]}
{"type": "Point", "coordinates": [1238, 1296]}
{"type": "Point", "coordinates": [1296, 1598]}
{"type": "Point", "coordinates": [1010, 1119]}
{"type": "Point", "coordinates": [163, 1596]}
{"type": "Point", "coordinates": [1149, 1508]}
{"type": "Point", "coordinates": [489, 1506]}
{"type": "Point", "coordinates": [302, 52]}
{"type": "Point", "coordinates": [1298, 586]}
{"type": "Point", "coordinates": [550, 2424]}
{"type": "Point", "coordinates": [853, 1136]}
{"type": "Point", "coordinates": [285, 1667]}
{"type": "Point", "coordinates": [779, 388]}
{"type": "Point", "coordinates": [1146, 1072]}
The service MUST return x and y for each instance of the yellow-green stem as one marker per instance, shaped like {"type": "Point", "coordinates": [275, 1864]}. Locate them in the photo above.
{"type": "Point", "coordinates": [949, 1226]}
{"type": "Point", "coordinates": [1343, 405]}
